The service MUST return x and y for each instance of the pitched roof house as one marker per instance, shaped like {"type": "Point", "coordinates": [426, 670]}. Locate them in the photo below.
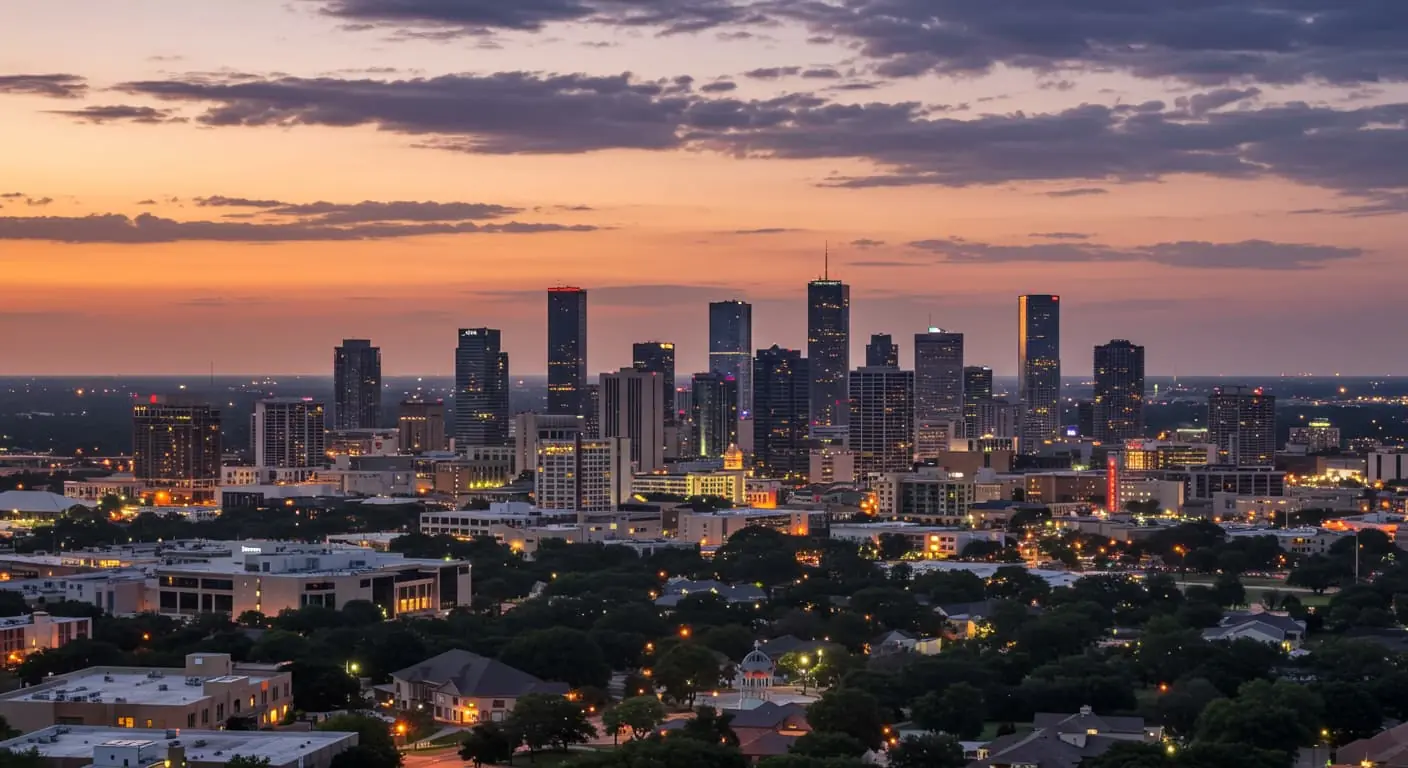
{"type": "Point", "coordinates": [463, 687]}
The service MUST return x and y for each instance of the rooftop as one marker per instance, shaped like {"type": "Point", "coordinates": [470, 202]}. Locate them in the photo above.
{"type": "Point", "coordinates": [281, 748]}
{"type": "Point", "coordinates": [135, 686]}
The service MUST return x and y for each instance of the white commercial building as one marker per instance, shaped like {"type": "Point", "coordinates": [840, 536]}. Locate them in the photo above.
{"type": "Point", "coordinates": [715, 528]}
{"type": "Point", "coordinates": [583, 476]}
{"type": "Point", "coordinates": [930, 496]}
{"type": "Point", "coordinates": [107, 746]}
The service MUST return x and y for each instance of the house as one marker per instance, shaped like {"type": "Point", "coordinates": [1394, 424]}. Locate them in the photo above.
{"type": "Point", "coordinates": [963, 619]}
{"type": "Point", "coordinates": [1263, 626]}
{"type": "Point", "coordinates": [1387, 749]}
{"type": "Point", "coordinates": [1063, 741]}
{"type": "Point", "coordinates": [462, 687]}
{"type": "Point", "coordinates": [899, 641]}
{"type": "Point", "coordinates": [766, 730]}
{"type": "Point", "coordinates": [678, 589]}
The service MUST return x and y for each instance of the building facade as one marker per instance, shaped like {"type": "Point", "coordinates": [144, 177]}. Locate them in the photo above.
{"type": "Point", "coordinates": [882, 351]}
{"type": "Point", "coordinates": [356, 374]}
{"type": "Point", "coordinates": [828, 350]}
{"type": "Point", "coordinates": [633, 407]}
{"type": "Point", "coordinates": [1039, 368]}
{"type": "Point", "coordinates": [23, 635]}
{"type": "Point", "coordinates": [176, 446]}
{"type": "Point", "coordinates": [1242, 424]}
{"type": "Point", "coordinates": [567, 350]}
{"type": "Point", "coordinates": [1119, 392]}
{"type": "Point", "coordinates": [928, 497]}
{"type": "Point", "coordinates": [882, 420]}
{"type": "Point", "coordinates": [781, 381]}
{"type": "Point", "coordinates": [658, 357]}
{"type": "Point", "coordinates": [421, 426]}
{"type": "Point", "coordinates": [530, 429]}
{"type": "Point", "coordinates": [289, 433]}
{"type": "Point", "coordinates": [714, 403]}
{"type": "Point", "coordinates": [1318, 436]}
{"type": "Point", "coordinates": [939, 376]}
{"type": "Point", "coordinates": [583, 476]}
{"type": "Point", "coordinates": [731, 346]}
{"type": "Point", "coordinates": [481, 389]}
{"type": "Point", "coordinates": [977, 389]}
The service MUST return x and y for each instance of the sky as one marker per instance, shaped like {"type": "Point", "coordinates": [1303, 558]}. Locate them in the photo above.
{"type": "Point", "coordinates": [243, 184]}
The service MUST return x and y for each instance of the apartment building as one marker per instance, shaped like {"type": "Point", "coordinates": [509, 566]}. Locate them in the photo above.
{"type": "Point", "coordinates": [23, 635]}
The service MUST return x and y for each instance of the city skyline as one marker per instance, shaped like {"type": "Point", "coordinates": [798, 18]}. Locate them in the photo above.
{"type": "Point", "coordinates": [159, 174]}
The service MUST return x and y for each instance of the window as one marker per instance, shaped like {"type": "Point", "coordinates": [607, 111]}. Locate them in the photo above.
{"type": "Point", "coordinates": [191, 720]}
{"type": "Point", "coordinates": [149, 723]}
{"type": "Point", "coordinates": [126, 722]}
{"type": "Point", "coordinates": [237, 706]}
{"type": "Point", "coordinates": [205, 716]}
{"type": "Point", "coordinates": [219, 712]}
{"type": "Point", "coordinates": [498, 704]}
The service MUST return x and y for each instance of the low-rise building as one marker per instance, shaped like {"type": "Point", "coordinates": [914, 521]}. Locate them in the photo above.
{"type": "Point", "coordinates": [1065, 487]}
{"type": "Point", "coordinates": [23, 635]}
{"type": "Point", "coordinates": [205, 694]}
{"type": "Point", "coordinates": [925, 541]}
{"type": "Point", "coordinates": [714, 528]}
{"type": "Point", "coordinates": [930, 496]}
{"type": "Point", "coordinates": [730, 485]}
{"type": "Point", "coordinates": [1064, 740]}
{"type": "Point", "coordinates": [103, 746]}
{"type": "Point", "coordinates": [1205, 482]}
{"type": "Point", "coordinates": [462, 687]}
{"type": "Point", "coordinates": [119, 592]}
{"type": "Point", "coordinates": [1262, 626]}
{"type": "Point", "coordinates": [678, 589]}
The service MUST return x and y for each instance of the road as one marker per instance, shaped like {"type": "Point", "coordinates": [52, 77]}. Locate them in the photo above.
{"type": "Point", "coordinates": [446, 758]}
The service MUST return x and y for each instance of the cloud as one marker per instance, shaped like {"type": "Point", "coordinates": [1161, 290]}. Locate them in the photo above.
{"type": "Point", "coordinates": [764, 231]}
{"type": "Point", "coordinates": [772, 73]}
{"type": "Point", "coordinates": [720, 87]}
{"type": "Point", "coordinates": [147, 228]}
{"type": "Point", "coordinates": [866, 243]}
{"type": "Point", "coordinates": [53, 86]}
{"type": "Point", "coordinates": [146, 202]}
{"type": "Point", "coordinates": [1200, 104]}
{"type": "Point", "coordinates": [885, 264]}
{"type": "Point", "coordinates": [472, 17]}
{"type": "Point", "coordinates": [1060, 235]}
{"type": "Point", "coordinates": [371, 211]}
{"type": "Point", "coordinates": [11, 195]}
{"type": "Point", "coordinates": [1208, 41]}
{"type": "Point", "coordinates": [220, 201]}
{"type": "Point", "coordinates": [120, 113]}
{"type": "Point", "coordinates": [821, 73]}
{"type": "Point", "coordinates": [38, 201]}
{"type": "Point", "coordinates": [1078, 192]}
{"type": "Point", "coordinates": [1248, 254]}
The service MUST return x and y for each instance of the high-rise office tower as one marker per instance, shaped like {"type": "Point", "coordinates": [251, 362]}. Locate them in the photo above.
{"type": "Point", "coordinates": [977, 388]}
{"type": "Point", "coordinates": [714, 414]}
{"type": "Point", "coordinates": [1039, 368]}
{"type": "Point", "coordinates": [731, 345]}
{"type": "Point", "coordinates": [177, 445]}
{"type": "Point", "coordinates": [1242, 424]}
{"type": "Point", "coordinates": [882, 420]}
{"type": "Point", "coordinates": [289, 433]}
{"type": "Point", "coordinates": [882, 352]}
{"type": "Point", "coordinates": [659, 357]}
{"type": "Point", "coordinates": [583, 476]}
{"type": "Point", "coordinates": [356, 374]}
{"type": "Point", "coordinates": [1085, 419]}
{"type": "Point", "coordinates": [422, 426]}
{"type": "Point", "coordinates": [938, 376]}
{"type": "Point", "coordinates": [1119, 391]}
{"type": "Point", "coordinates": [781, 405]}
{"type": "Point", "coordinates": [567, 350]}
{"type": "Point", "coordinates": [829, 350]}
{"type": "Point", "coordinates": [481, 389]}
{"type": "Point", "coordinates": [633, 407]}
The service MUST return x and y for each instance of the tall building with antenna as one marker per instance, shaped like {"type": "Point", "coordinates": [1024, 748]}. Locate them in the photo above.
{"type": "Point", "coordinates": [829, 348]}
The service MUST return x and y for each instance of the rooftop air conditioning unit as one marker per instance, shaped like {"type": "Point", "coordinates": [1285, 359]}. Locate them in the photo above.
{"type": "Point", "coordinates": [163, 687]}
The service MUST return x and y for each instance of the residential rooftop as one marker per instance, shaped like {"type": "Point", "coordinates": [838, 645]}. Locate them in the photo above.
{"type": "Point", "coordinates": [62, 742]}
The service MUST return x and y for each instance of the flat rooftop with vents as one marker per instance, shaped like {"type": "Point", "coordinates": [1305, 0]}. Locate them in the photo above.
{"type": "Point", "coordinates": [106, 747]}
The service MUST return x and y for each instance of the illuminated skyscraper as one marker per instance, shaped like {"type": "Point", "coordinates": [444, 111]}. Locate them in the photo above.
{"type": "Point", "coordinates": [882, 420]}
{"type": "Point", "coordinates": [1242, 424]}
{"type": "Point", "coordinates": [177, 445]}
{"type": "Point", "coordinates": [829, 350]}
{"type": "Point", "coordinates": [882, 352]}
{"type": "Point", "coordinates": [1119, 391]}
{"type": "Point", "coordinates": [633, 407]}
{"type": "Point", "coordinates": [938, 376]}
{"type": "Point", "coordinates": [481, 389]}
{"type": "Point", "coordinates": [659, 357]}
{"type": "Point", "coordinates": [1039, 368]}
{"type": "Point", "coordinates": [977, 389]}
{"type": "Point", "coordinates": [356, 374]}
{"type": "Point", "coordinates": [567, 350]}
{"type": "Point", "coordinates": [731, 345]}
{"type": "Point", "coordinates": [780, 408]}
{"type": "Point", "coordinates": [714, 413]}
{"type": "Point", "coordinates": [289, 433]}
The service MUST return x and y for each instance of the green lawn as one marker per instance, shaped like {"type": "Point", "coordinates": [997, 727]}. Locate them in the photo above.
{"type": "Point", "coordinates": [990, 729]}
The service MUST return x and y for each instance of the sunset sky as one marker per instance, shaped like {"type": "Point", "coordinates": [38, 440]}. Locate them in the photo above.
{"type": "Point", "coordinates": [246, 183]}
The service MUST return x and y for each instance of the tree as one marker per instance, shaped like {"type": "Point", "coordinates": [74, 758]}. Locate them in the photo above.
{"type": "Point", "coordinates": [1317, 573]}
{"type": "Point", "coordinates": [1131, 754]}
{"type": "Point", "coordinates": [673, 752]}
{"type": "Point", "coordinates": [1178, 708]}
{"type": "Point", "coordinates": [1228, 590]}
{"type": "Point", "coordinates": [488, 743]}
{"type": "Point", "coordinates": [894, 546]}
{"type": "Point", "coordinates": [252, 619]}
{"type": "Point", "coordinates": [685, 670]}
{"type": "Point", "coordinates": [110, 505]}
{"type": "Point", "coordinates": [757, 554]}
{"type": "Point", "coordinates": [710, 726]}
{"type": "Point", "coordinates": [240, 761]}
{"type": "Point", "coordinates": [559, 654]}
{"type": "Point", "coordinates": [849, 711]}
{"type": "Point", "coordinates": [1351, 711]}
{"type": "Point", "coordinates": [542, 720]}
{"type": "Point", "coordinates": [30, 758]}
{"type": "Point", "coordinates": [639, 714]}
{"type": "Point", "coordinates": [6, 732]}
{"type": "Point", "coordinates": [958, 711]}
{"type": "Point", "coordinates": [928, 751]}
{"type": "Point", "coordinates": [827, 744]}
{"type": "Point", "coordinates": [1264, 715]}
{"type": "Point", "coordinates": [319, 687]}
{"type": "Point", "coordinates": [375, 747]}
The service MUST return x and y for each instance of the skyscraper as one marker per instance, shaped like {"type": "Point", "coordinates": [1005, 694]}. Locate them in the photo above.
{"type": "Point", "coordinates": [714, 414]}
{"type": "Point", "coordinates": [1119, 391]}
{"type": "Point", "coordinates": [977, 389]}
{"type": "Point", "coordinates": [289, 433]}
{"type": "Point", "coordinates": [780, 409]}
{"type": "Point", "coordinates": [882, 352]}
{"type": "Point", "coordinates": [567, 350]}
{"type": "Point", "coordinates": [882, 420]}
{"type": "Point", "coordinates": [659, 357]}
{"type": "Point", "coordinates": [481, 389]}
{"type": "Point", "coordinates": [177, 445]}
{"type": "Point", "coordinates": [1242, 424]}
{"type": "Point", "coordinates": [1039, 368]}
{"type": "Point", "coordinates": [828, 350]}
{"type": "Point", "coordinates": [938, 376]}
{"type": "Point", "coordinates": [731, 345]}
{"type": "Point", "coordinates": [421, 426]}
{"type": "Point", "coordinates": [356, 374]}
{"type": "Point", "coordinates": [633, 407]}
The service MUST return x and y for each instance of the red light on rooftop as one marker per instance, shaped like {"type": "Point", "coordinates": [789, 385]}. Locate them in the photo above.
{"type": "Point", "coordinates": [152, 400]}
